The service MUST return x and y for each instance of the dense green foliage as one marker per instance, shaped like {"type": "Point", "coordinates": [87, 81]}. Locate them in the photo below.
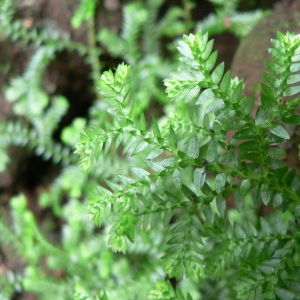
{"type": "Point", "coordinates": [181, 195]}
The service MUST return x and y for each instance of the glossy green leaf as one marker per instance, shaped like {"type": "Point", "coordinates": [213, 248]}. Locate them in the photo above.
{"type": "Point", "coordinates": [130, 141]}
{"type": "Point", "coordinates": [154, 153]}
{"type": "Point", "coordinates": [293, 284]}
{"type": "Point", "coordinates": [292, 90]}
{"type": "Point", "coordinates": [278, 130]}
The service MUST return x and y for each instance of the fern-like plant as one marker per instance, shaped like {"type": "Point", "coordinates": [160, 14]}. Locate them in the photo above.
{"type": "Point", "coordinates": [205, 153]}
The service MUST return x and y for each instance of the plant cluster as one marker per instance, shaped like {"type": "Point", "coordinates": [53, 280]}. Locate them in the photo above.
{"type": "Point", "coordinates": [181, 195]}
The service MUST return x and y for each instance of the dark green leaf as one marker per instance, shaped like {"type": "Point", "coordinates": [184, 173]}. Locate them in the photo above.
{"type": "Point", "coordinates": [244, 134]}
{"type": "Point", "coordinates": [294, 119]}
{"type": "Point", "coordinates": [199, 178]}
{"type": "Point", "coordinates": [280, 228]}
{"type": "Point", "coordinates": [249, 146]}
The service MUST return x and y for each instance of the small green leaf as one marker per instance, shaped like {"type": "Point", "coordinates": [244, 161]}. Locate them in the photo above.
{"type": "Point", "coordinates": [193, 148]}
{"type": "Point", "coordinates": [212, 153]}
{"type": "Point", "coordinates": [139, 148]}
{"type": "Point", "coordinates": [237, 93]}
{"type": "Point", "coordinates": [238, 200]}
{"type": "Point", "coordinates": [216, 105]}
{"type": "Point", "coordinates": [217, 74]}
{"type": "Point", "coordinates": [225, 83]}
{"type": "Point", "coordinates": [205, 96]}
{"type": "Point", "coordinates": [156, 131]}
{"type": "Point", "coordinates": [292, 90]}
{"type": "Point", "coordinates": [265, 226]}
{"type": "Point", "coordinates": [278, 130]}
{"type": "Point", "coordinates": [247, 104]}
{"type": "Point", "coordinates": [221, 205]}
{"type": "Point", "coordinates": [210, 63]}
{"type": "Point", "coordinates": [129, 143]}
{"type": "Point", "coordinates": [199, 178]}
{"type": "Point", "coordinates": [266, 193]}
{"type": "Point", "coordinates": [284, 294]}
{"type": "Point", "coordinates": [177, 178]}
{"type": "Point", "coordinates": [293, 284]}
{"type": "Point", "coordinates": [172, 137]}
{"type": "Point", "coordinates": [220, 182]}
{"type": "Point", "coordinates": [154, 153]}
{"type": "Point", "coordinates": [141, 173]}
{"type": "Point", "coordinates": [143, 124]}
{"type": "Point", "coordinates": [232, 159]}
{"type": "Point", "coordinates": [245, 187]}
{"type": "Point", "coordinates": [276, 153]}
